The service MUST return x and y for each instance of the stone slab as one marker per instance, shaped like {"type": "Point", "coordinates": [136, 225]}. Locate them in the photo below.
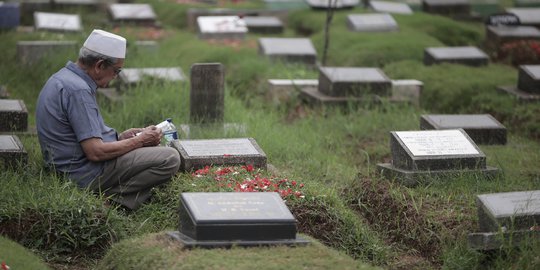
{"type": "Point", "coordinates": [339, 4]}
{"type": "Point", "coordinates": [408, 91]}
{"type": "Point", "coordinates": [353, 81]}
{"type": "Point", "coordinates": [13, 115]}
{"type": "Point", "coordinates": [372, 22]}
{"type": "Point", "coordinates": [481, 128]}
{"type": "Point", "coordinates": [288, 49]}
{"type": "Point", "coordinates": [519, 94]}
{"type": "Point", "coordinates": [57, 22]}
{"type": "Point", "coordinates": [132, 13]}
{"type": "Point", "coordinates": [10, 15]}
{"type": "Point", "coordinates": [313, 96]}
{"type": "Point", "coordinates": [447, 7]}
{"type": "Point", "coordinates": [466, 55]}
{"type": "Point", "coordinates": [30, 52]}
{"type": "Point", "coordinates": [194, 13]}
{"type": "Point", "coordinates": [264, 25]}
{"type": "Point", "coordinates": [12, 153]}
{"type": "Point", "coordinates": [496, 241]}
{"type": "Point", "coordinates": [221, 27]}
{"type": "Point", "coordinates": [133, 76]}
{"type": "Point", "coordinates": [529, 79]}
{"type": "Point", "coordinates": [196, 154]}
{"type": "Point", "coordinates": [283, 90]}
{"type": "Point", "coordinates": [432, 150]}
{"type": "Point", "coordinates": [512, 210]}
{"type": "Point", "coordinates": [207, 93]}
{"type": "Point", "coordinates": [527, 16]}
{"type": "Point", "coordinates": [497, 35]}
{"type": "Point", "coordinates": [219, 130]}
{"type": "Point", "coordinates": [390, 7]}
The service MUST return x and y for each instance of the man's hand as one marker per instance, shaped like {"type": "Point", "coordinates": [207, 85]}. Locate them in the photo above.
{"type": "Point", "coordinates": [129, 133]}
{"type": "Point", "coordinates": [150, 136]}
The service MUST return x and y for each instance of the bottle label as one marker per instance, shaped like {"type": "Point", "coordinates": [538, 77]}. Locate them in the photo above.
{"type": "Point", "coordinates": [171, 135]}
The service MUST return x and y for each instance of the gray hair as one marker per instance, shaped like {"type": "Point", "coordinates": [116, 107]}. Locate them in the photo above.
{"type": "Point", "coordinates": [88, 57]}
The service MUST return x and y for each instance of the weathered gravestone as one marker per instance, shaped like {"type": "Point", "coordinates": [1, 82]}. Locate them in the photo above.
{"type": "Point", "coordinates": [407, 91]}
{"type": "Point", "coordinates": [224, 219]}
{"type": "Point", "coordinates": [419, 156]}
{"type": "Point", "coordinates": [281, 91]}
{"type": "Point", "coordinates": [528, 87]}
{"type": "Point", "coordinates": [30, 52]}
{"type": "Point", "coordinates": [527, 16]}
{"type": "Point", "coordinates": [299, 50]}
{"type": "Point", "coordinates": [13, 115]}
{"type": "Point", "coordinates": [221, 27]}
{"type": "Point", "coordinates": [390, 7]}
{"type": "Point", "coordinates": [506, 219]}
{"type": "Point", "coordinates": [481, 128]}
{"type": "Point", "coordinates": [140, 14]}
{"type": "Point", "coordinates": [371, 23]}
{"type": "Point", "coordinates": [496, 36]}
{"type": "Point", "coordinates": [194, 13]}
{"type": "Point", "coordinates": [132, 76]}
{"type": "Point", "coordinates": [338, 4]}
{"type": "Point", "coordinates": [447, 7]}
{"type": "Point", "coordinates": [207, 93]}
{"type": "Point", "coordinates": [527, 3]}
{"type": "Point", "coordinates": [12, 153]}
{"type": "Point", "coordinates": [10, 15]}
{"type": "Point", "coordinates": [57, 22]}
{"type": "Point", "coordinates": [196, 154]}
{"type": "Point", "coordinates": [469, 55]}
{"type": "Point", "coordinates": [265, 25]}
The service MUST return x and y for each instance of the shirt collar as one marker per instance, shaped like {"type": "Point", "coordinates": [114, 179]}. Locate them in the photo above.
{"type": "Point", "coordinates": [77, 70]}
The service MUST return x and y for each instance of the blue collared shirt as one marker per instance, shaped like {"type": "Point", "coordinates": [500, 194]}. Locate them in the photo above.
{"type": "Point", "coordinates": [67, 114]}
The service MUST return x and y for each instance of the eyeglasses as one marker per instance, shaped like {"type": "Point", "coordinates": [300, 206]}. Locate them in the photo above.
{"type": "Point", "coordinates": [117, 70]}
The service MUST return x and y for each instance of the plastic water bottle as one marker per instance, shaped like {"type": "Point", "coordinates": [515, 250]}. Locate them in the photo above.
{"type": "Point", "coordinates": [169, 130]}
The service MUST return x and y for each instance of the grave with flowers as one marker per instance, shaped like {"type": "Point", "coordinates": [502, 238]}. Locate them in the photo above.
{"type": "Point", "coordinates": [528, 86]}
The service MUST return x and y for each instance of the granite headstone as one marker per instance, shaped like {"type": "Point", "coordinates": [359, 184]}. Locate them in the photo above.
{"type": "Point", "coordinates": [353, 81]}
{"type": "Point", "coordinates": [496, 36]}
{"type": "Point", "coordinates": [337, 4]}
{"type": "Point", "coordinates": [371, 23]}
{"type": "Point", "coordinates": [13, 115]}
{"type": "Point", "coordinates": [264, 25]}
{"type": "Point", "coordinates": [468, 55]}
{"type": "Point", "coordinates": [528, 86]}
{"type": "Point", "coordinates": [57, 22]}
{"type": "Point", "coordinates": [299, 50]}
{"type": "Point", "coordinates": [132, 76]}
{"type": "Point", "coordinates": [12, 152]}
{"type": "Point", "coordinates": [142, 14]}
{"type": "Point", "coordinates": [447, 7]}
{"type": "Point", "coordinates": [390, 7]}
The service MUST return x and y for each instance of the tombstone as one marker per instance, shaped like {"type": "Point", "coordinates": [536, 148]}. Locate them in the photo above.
{"type": "Point", "coordinates": [408, 91]}
{"type": "Point", "coordinates": [194, 13]}
{"type": "Point", "coordinates": [12, 152]}
{"type": "Point", "coordinates": [282, 91]}
{"type": "Point", "coordinates": [13, 115]}
{"type": "Point", "coordinates": [195, 154]}
{"type": "Point", "coordinates": [299, 50]}
{"type": "Point", "coordinates": [528, 87]}
{"type": "Point", "coordinates": [30, 52]}
{"type": "Point", "coordinates": [371, 23]}
{"type": "Point", "coordinates": [506, 219]}
{"type": "Point", "coordinates": [420, 156]}
{"type": "Point", "coordinates": [10, 15]}
{"type": "Point", "coordinates": [140, 14]}
{"type": "Point", "coordinates": [496, 36]}
{"type": "Point", "coordinates": [264, 25]}
{"type": "Point", "coordinates": [447, 7]}
{"type": "Point", "coordinates": [221, 27]}
{"type": "Point", "coordinates": [57, 22]}
{"type": "Point", "coordinates": [207, 93]}
{"type": "Point", "coordinates": [527, 3]}
{"type": "Point", "coordinates": [339, 4]}
{"type": "Point", "coordinates": [224, 219]}
{"type": "Point", "coordinates": [470, 56]}
{"type": "Point", "coordinates": [132, 76]}
{"type": "Point", "coordinates": [481, 128]}
{"type": "Point", "coordinates": [390, 7]}
{"type": "Point", "coordinates": [527, 16]}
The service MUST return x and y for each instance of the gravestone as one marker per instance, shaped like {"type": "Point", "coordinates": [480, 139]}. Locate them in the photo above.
{"type": "Point", "coordinates": [481, 128]}
{"type": "Point", "coordinates": [527, 3]}
{"type": "Point", "coordinates": [527, 16]}
{"type": "Point", "coordinates": [57, 22]}
{"type": "Point", "coordinates": [447, 7]}
{"type": "Point", "coordinates": [337, 4]}
{"type": "Point", "coordinates": [371, 23]}
{"type": "Point", "coordinates": [221, 27]}
{"type": "Point", "coordinates": [353, 81]}
{"type": "Point", "coordinates": [264, 25]}
{"type": "Point", "coordinates": [496, 36]}
{"type": "Point", "coordinates": [419, 156]}
{"type": "Point", "coordinates": [10, 15]}
{"type": "Point", "coordinates": [30, 52]}
{"type": "Point", "coordinates": [207, 93]}
{"type": "Point", "coordinates": [194, 13]}
{"type": "Point", "coordinates": [390, 7]}
{"type": "Point", "coordinates": [408, 91]}
{"type": "Point", "coordinates": [299, 50]}
{"type": "Point", "coordinates": [132, 76]}
{"type": "Point", "coordinates": [281, 91]}
{"type": "Point", "coordinates": [140, 14]}
{"type": "Point", "coordinates": [469, 55]}
{"type": "Point", "coordinates": [506, 218]}
{"type": "Point", "coordinates": [528, 87]}
{"type": "Point", "coordinates": [12, 153]}
{"type": "Point", "coordinates": [196, 154]}
{"type": "Point", "coordinates": [224, 219]}
{"type": "Point", "coordinates": [13, 115]}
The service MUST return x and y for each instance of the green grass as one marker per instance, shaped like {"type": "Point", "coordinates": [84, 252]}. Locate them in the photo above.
{"type": "Point", "coordinates": [17, 257]}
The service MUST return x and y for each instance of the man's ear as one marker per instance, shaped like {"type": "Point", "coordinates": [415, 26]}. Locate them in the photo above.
{"type": "Point", "coordinates": [99, 66]}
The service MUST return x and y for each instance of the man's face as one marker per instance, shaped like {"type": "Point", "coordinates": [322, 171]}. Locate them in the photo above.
{"type": "Point", "coordinates": [106, 73]}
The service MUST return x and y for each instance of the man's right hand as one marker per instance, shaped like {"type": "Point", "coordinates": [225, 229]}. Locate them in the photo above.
{"type": "Point", "coordinates": [150, 136]}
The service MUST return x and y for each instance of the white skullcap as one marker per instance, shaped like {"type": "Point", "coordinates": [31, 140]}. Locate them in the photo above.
{"type": "Point", "coordinates": [106, 43]}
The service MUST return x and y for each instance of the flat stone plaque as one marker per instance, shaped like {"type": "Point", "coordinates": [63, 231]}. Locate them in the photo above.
{"type": "Point", "coordinates": [513, 210]}
{"type": "Point", "coordinates": [437, 143]}
{"type": "Point", "coordinates": [446, 7]}
{"type": "Point", "coordinates": [390, 7]}
{"type": "Point", "coordinates": [13, 115]}
{"type": "Point", "coordinates": [482, 128]}
{"type": "Point", "coordinates": [128, 12]}
{"type": "Point", "coordinates": [323, 4]}
{"type": "Point", "coordinates": [289, 49]}
{"type": "Point", "coordinates": [221, 27]}
{"type": "Point", "coordinates": [57, 22]}
{"type": "Point", "coordinates": [12, 153]}
{"type": "Point", "coordinates": [371, 22]}
{"type": "Point", "coordinates": [196, 154]}
{"type": "Point", "coordinates": [527, 16]}
{"type": "Point", "coordinates": [353, 81]}
{"type": "Point", "coordinates": [468, 55]}
{"type": "Point", "coordinates": [266, 24]}
{"type": "Point", "coordinates": [529, 78]}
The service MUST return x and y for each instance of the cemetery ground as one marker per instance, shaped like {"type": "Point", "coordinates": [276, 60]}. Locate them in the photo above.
{"type": "Point", "coordinates": [354, 217]}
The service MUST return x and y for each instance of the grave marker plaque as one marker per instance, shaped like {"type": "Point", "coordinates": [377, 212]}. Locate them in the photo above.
{"type": "Point", "coordinates": [265, 25]}
{"type": "Point", "coordinates": [338, 4]}
{"type": "Point", "coordinates": [12, 153]}
{"type": "Point", "coordinates": [371, 23]}
{"type": "Point", "coordinates": [446, 7]}
{"type": "Point", "coordinates": [529, 78]}
{"type": "Point", "coordinates": [207, 93]}
{"type": "Point", "coordinates": [133, 13]}
{"type": "Point", "coordinates": [196, 154]}
{"type": "Point", "coordinates": [13, 115]}
{"type": "Point", "coordinates": [289, 49]}
{"type": "Point", "coordinates": [226, 218]}
{"type": "Point", "coordinates": [57, 22]}
{"type": "Point", "coordinates": [221, 27]}
{"type": "Point", "coordinates": [470, 56]}
{"type": "Point", "coordinates": [527, 16]}
{"type": "Point", "coordinates": [482, 128]}
{"type": "Point", "coordinates": [353, 81]}
{"type": "Point", "coordinates": [30, 52]}
{"type": "Point", "coordinates": [390, 7]}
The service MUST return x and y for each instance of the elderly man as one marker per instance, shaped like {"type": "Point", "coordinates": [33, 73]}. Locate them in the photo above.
{"type": "Point", "coordinates": [76, 142]}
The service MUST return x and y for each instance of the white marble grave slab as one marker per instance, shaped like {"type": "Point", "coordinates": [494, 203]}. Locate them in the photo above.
{"type": "Point", "coordinates": [219, 147]}
{"type": "Point", "coordinates": [375, 22]}
{"type": "Point", "coordinates": [287, 46]}
{"type": "Point", "coordinates": [10, 105]}
{"type": "Point", "coordinates": [390, 7]}
{"type": "Point", "coordinates": [508, 204]}
{"type": "Point", "coordinates": [221, 24]}
{"type": "Point", "coordinates": [437, 143]}
{"type": "Point", "coordinates": [57, 21]}
{"type": "Point", "coordinates": [132, 12]}
{"type": "Point", "coordinates": [456, 52]}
